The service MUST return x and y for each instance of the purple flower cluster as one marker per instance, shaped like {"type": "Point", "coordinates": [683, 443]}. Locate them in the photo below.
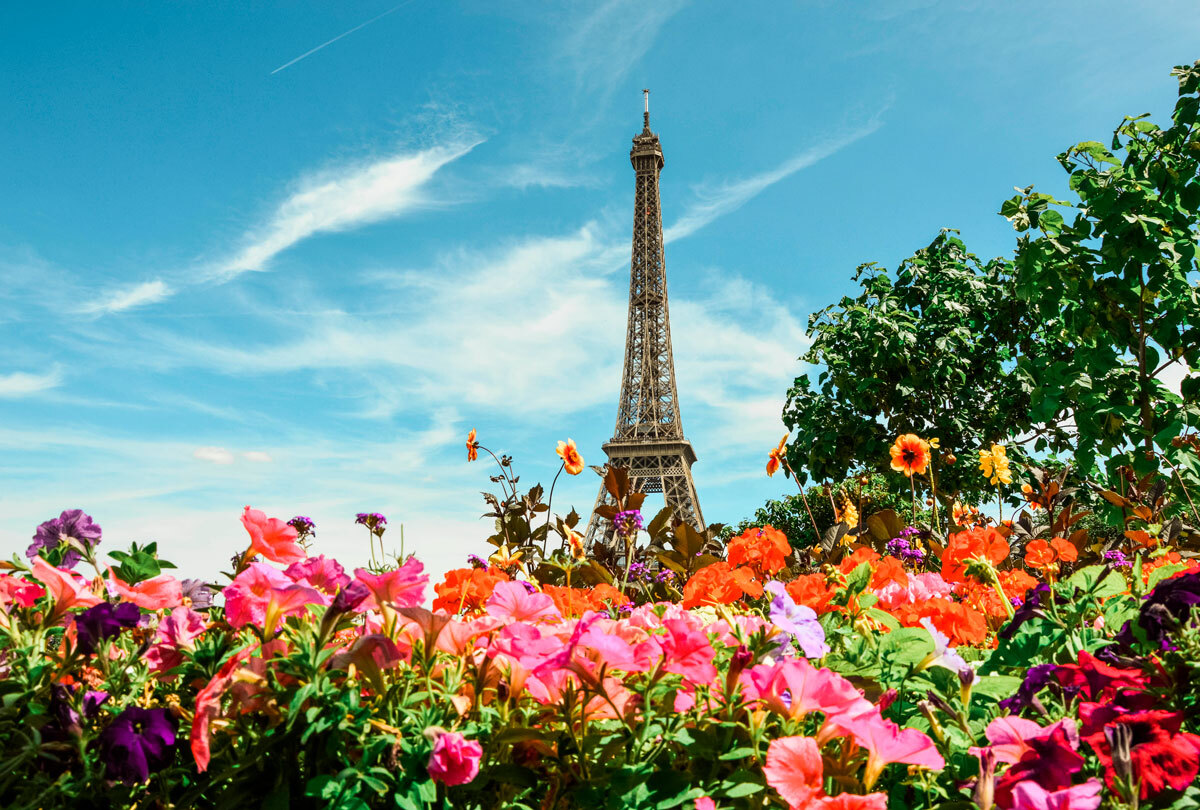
{"type": "Point", "coordinates": [665, 575]}
{"type": "Point", "coordinates": [640, 572]}
{"type": "Point", "coordinates": [373, 521]}
{"type": "Point", "coordinates": [475, 561]}
{"type": "Point", "coordinates": [628, 523]}
{"type": "Point", "coordinates": [304, 526]}
{"type": "Point", "coordinates": [904, 548]}
{"type": "Point", "coordinates": [53, 537]}
{"type": "Point", "coordinates": [1116, 558]}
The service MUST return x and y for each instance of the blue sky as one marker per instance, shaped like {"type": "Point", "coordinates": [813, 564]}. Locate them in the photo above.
{"type": "Point", "coordinates": [225, 283]}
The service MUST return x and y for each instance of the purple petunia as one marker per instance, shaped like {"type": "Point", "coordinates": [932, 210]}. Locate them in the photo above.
{"type": "Point", "coordinates": [351, 595]}
{"type": "Point", "coordinates": [135, 742]}
{"type": "Point", "coordinates": [798, 622]}
{"type": "Point", "coordinates": [55, 534]}
{"type": "Point", "coordinates": [104, 621]}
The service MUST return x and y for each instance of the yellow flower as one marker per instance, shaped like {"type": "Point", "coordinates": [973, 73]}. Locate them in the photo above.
{"type": "Point", "coordinates": [847, 513]}
{"type": "Point", "coordinates": [505, 558]}
{"type": "Point", "coordinates": [935, 443]}
{"type": "Point", "coordinates": [994, 464]}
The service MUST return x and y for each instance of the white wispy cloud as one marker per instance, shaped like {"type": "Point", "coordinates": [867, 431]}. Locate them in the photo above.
{"type": "Point", "coordinates": [609, 41]}
{"type": "Point", "coordinates": [715, 201]}
{"type": "Point", "coordinates": [22, 384]}
{"type": "Point", "coordinates": [127, 297]}
{"type": "Point", "coordinates": [214, 455]}
{"type": "Point", "coordinates": [340, 199]}
{"type": "Point", "coordinates": [342, 35]}
{"type": "Point", "coordinates": [257, 456]}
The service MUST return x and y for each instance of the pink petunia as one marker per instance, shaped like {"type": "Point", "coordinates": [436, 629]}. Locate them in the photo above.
{"type": "Point", "coordinates": [687, 652]}
{"type": "Point", "coordinates": [208, 706]}
{"type": "Point", "coordinates": [795, 770]}
{"type": "Point", "coordinates": [794, 688]}
{"type": "Point", "coordinates": [512, 602]}
{"type": "Point", "coordinates": [272, 538]}
{"type": "Point", "coordinates": [322, 574]}
{"type": "Point", "coordinates": [402, 587]}
{"type": "Point", "coordinates": [68, 589]}
{"type": "Point", "coordinates": [177, 632]}
{"type": "Point", "coordinates": [454, 760]}
{"type": "Point", "coordinates": [1029, 795]}
{"type": "Point", "coordinates": [247, 597]}
{"type": "Point", "coordinates": [887, 742]}
{"type": "Point", "coordinates": [158, 593]}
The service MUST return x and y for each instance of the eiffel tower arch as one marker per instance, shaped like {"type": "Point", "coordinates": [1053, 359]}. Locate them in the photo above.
{"type": "Point", "coordinates": [648, 440]}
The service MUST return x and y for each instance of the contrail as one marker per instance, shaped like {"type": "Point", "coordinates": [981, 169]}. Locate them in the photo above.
{"type": "Point", "coordinates": [307, 54]}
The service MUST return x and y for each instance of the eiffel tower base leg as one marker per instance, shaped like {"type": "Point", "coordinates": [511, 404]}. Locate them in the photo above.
{"type": "Point", "coordinates": [668, 473]}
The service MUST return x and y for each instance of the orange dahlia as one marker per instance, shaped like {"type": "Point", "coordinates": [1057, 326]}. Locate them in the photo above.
{"type": "Point", "coordinates": [910, 455]}
{"type": "Point", "coordinates": [472, 446]}
{"type": "Point", "coordinates": [570, 456]}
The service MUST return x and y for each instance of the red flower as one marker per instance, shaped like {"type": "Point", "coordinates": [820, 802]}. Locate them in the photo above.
{"type": "Point", "coordinates": [1160, 755]}
{"type": "Point", "coordinates": [1097, 680]}
{"type": "Point", "coordinates": [454, 760]}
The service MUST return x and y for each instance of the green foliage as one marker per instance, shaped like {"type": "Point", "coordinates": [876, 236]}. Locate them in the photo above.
{"type": "Point", "coordinates": [931, 351]}
{"type": "Point", "coordinates": [1121, 275]}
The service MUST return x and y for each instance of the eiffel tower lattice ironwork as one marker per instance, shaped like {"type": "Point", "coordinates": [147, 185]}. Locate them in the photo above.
{"type": "Point", "coordinates": [649, 440]}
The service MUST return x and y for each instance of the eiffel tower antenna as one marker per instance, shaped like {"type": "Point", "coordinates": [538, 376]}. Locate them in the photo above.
{"type": "Point", "coordinates": [648, 440]}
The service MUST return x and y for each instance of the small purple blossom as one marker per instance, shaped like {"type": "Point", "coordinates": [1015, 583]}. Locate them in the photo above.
{"type": "Point", "coordinates": [1116, 558]}
{"type": "Point", "coordinates": [136, 742]}
{"type": "Point", "coordinates": [943, 654]}
{"type": "Point", "coordinates": [665, 575]}
{"type": "Point", "coordinates": [797, 622]}
{"type": "Point", "coordinates": [903, 548]}
{"type": "Point", "coordinates": [349, 597]}
{"type": "Point", "coordinates": [304, 526]}
{"type": "Point", "coordinates": [628, 523]}
{"type": "Point", "coordinates": [55, 534]}
{"type": "Point", "coordinates": [104, 621]}
{"type": "Point", "coordinates": [529, 586]}
{"type": "Point", "coordinates": [198, 592]}
{"type": "Point", "coordinates": [373, 521]}
{"type": "Point", "coordinates": [475, 561]}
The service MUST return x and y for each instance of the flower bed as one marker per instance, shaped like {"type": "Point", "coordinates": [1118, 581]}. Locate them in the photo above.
{"type": "Point", "coordinates": [1001, 667]}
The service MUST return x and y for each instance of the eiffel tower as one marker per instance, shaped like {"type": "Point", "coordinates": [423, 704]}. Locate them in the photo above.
{"type": "Point", "coordinates": [648, 440]}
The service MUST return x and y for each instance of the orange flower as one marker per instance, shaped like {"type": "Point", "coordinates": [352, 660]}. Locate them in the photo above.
{"type": "Point", "coordinates": [962, 624]}
{"type": "Point", "coordinates": [575, 542]}
{"type": "Point", "coordinates": [983, 542]}
{"type": "Point", "coordinates": [577, 601]}
{"type": "Point", "coordinates": [1030, 497]}
{"type": "Point", "coordinates": [764, 549]}
{"type": "Point", "coordinates": [775, 457]}
{"type": "Point", "coordinates": [472, 446]}
{"type": "Point", "coordinates": [811, 590]}
{"type": "Point", "coordinates": [1064, 549]}
{"type": "Point", "coordinates": [1038, 554]}
{"type": "Point", "coordinates": [718, 584]}
{"type": "Point", "coordinates": [1016, 583]}
{"type": "Point", "coordinates": [889, 569]}
{"type": "Point", "coordinates": [861, 555]}
{"type": "Point", "coordinates": [966, 515]}
{"type": "Point", "coordinates": [910, 455]}
{"type": "Point", "coordinates": [570, 456]}
{"type": "Point", "coordinates": [467, 589]}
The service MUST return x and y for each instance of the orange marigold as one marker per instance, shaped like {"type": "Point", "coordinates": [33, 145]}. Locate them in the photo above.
{"type": "Point", "coordinates": [775, 457]}
{"type": "Point", "coordinates": [978, 542]}
{"type": "Point", "coordinates": [570, 456]}
{"type": "Point", "coordinates": [467, 589]}
{"type": "Point", "coordinates": [812, 590]}
{"type": "Point", "coordinates": [910, 455]}
{"type": "Point", "coordinates": [764, 549]}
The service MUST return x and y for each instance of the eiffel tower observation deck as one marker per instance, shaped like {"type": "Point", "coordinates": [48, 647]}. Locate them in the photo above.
{"type": "Point", "coordinates": [648, 440]}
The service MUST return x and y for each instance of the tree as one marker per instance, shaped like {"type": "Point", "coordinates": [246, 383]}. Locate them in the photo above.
{"type": "Point", "coordinates": [1121, 278]}
{"type": "Point", "coordinates": [932, 352]}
